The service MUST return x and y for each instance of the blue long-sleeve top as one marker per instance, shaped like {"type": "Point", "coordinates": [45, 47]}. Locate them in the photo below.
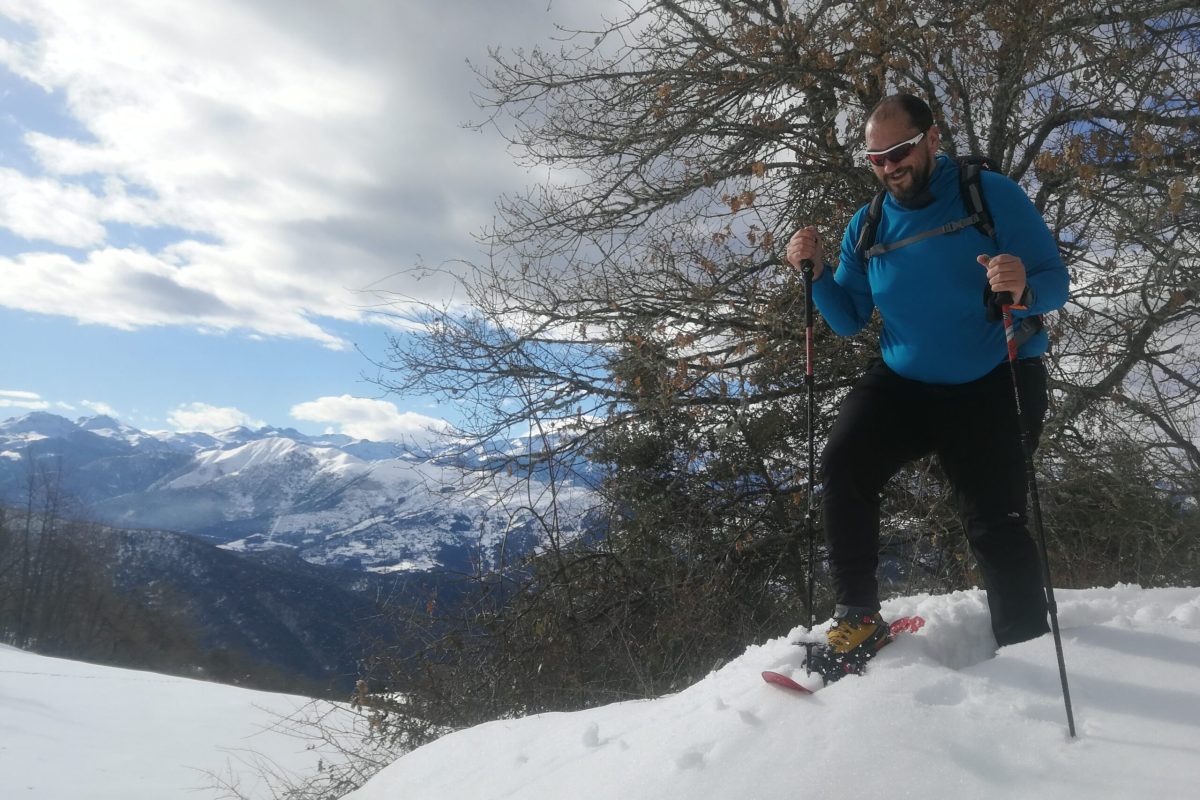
{"type": "Point", "coordinates": [930, 293]}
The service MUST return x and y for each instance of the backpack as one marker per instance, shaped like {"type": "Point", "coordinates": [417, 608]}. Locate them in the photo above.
{"type": "Point", "coordinates": [970, 188]}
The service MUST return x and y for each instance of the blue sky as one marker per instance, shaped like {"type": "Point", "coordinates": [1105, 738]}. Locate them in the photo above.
{"type": "Point", "coordinates": [194, 197]}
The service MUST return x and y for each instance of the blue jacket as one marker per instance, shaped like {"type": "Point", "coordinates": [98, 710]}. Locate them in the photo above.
{"type": "Point", "coordinates": [930, 293]}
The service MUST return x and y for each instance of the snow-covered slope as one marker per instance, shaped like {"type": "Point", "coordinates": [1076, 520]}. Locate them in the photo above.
{"type": "Point", "coordinates": [210, 466]}
{"type": "Point", "coordinates": [114, 429]}
{"type": "Point", "coordinates": [75, 731]}
{"type": "Point", "coordinates": [939, 716]}
{"type": "Point", "coordinates": [36, 425]}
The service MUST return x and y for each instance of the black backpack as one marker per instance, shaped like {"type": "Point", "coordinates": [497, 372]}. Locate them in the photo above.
{"type": "Point", "coordinates": [969, 186]}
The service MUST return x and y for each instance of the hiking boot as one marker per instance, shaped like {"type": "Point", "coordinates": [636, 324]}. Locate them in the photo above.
{"type": "Point", "coordinates": [854, 638]}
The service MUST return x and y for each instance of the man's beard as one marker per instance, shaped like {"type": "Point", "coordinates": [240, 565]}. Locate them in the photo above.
{"type": "Point", "coordinates": [917, 186]}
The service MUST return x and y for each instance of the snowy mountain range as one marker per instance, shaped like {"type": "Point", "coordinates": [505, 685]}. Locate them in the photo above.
{"type": "Point", "coordinates": [332, 500]}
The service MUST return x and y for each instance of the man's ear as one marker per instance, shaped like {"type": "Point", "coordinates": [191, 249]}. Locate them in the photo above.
{"type": "Point", "coordinates": [934, 138]}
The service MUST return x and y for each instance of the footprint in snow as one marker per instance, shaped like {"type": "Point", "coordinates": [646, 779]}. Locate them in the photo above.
{"type": "Point", "coordinates": [750, 718]}
{"type": "Point", "coordinates": [942, 693]}
{"type": "Point", "coordinates": [591, 736]}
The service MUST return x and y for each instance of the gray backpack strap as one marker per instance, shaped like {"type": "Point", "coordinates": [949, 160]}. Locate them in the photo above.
{"type": "Point", "coordinates": [866, 237]}
{"type": "Point", "coordinates": [970, 189]}
{"type": "Point", "coordinates": [1027, 328]}
{"type": "Point", "coordinates": [949, 227]}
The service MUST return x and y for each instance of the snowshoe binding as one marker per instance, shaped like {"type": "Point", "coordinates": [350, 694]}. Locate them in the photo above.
{"type": "Point", "coordinates": [853, 640]}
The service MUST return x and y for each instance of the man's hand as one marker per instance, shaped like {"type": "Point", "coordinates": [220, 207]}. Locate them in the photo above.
{"type": "Point", "coordinates": [1005, 273]}
{"type": "Point", "coordinates": [806, 244]}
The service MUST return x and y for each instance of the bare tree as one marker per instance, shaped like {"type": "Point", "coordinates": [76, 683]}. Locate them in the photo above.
{"type": "Point", "coordinates": [636, 301]}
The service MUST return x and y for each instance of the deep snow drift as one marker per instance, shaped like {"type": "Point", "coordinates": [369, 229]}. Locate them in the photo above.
{"type": "Point", "coordinates": [76, 731]}
{"type": "Point", "coordinates": [940, 715]}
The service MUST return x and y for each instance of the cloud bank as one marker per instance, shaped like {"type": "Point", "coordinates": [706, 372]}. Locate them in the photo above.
{"type": "Point", "coordinates": [210, 419]}
{"type": "Point", "coordinates": [365, 418]}
{"type": "Point", "coordinates": [16, 398]}
{"type": "Point", "coordinates": [279, 156]}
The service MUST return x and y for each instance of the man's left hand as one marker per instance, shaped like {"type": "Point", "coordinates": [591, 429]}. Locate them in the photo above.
{"type": "Point", "coordinates": [1005, 273]}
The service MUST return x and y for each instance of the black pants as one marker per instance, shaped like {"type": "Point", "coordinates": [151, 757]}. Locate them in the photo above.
{"type": "Point", "coordinates": [888, 420]}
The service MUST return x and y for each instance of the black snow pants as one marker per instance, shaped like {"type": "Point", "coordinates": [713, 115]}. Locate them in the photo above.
{"type": "Point", "coordinates": [887, 421]}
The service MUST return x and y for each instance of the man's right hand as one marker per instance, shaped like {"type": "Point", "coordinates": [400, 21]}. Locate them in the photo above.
{"type": "Point", "coordinates": [806, 244]}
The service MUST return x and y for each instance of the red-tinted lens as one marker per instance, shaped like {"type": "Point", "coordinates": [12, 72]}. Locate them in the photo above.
{"type": "Point", "coordinates": [895, 155]}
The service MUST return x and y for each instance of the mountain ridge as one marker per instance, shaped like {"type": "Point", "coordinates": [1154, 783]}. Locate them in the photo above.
{"type": "Point", "coordinates": [333, 500]}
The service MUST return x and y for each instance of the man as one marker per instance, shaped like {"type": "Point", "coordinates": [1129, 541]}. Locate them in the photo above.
{"type": "Point", "coordinates": [943, 385]}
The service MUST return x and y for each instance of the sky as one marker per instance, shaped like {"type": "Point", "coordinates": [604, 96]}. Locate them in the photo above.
{"type": "Point", "coordinates": [940, 714]}
{"type": "Point", "coordinates": [198, 202]}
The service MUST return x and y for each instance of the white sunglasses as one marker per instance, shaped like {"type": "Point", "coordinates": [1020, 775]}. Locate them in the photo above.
{"type": "Point", "coordinates": [896, 153]}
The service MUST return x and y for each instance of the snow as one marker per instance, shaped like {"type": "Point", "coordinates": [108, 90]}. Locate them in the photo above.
{"type": "Point", "coordinates": [407, 565]}
{"type": "Point", "coordinates": [70, 730]}
{"type": "Point", "coordinates": [212, 465]}
{"type": "Point", "coordinates": [110, 428]}
{"type": "Point", "coordinates": [941, 715]}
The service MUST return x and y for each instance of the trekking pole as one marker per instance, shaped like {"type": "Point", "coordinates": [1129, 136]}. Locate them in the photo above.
{"type": "Point", "coordinates": [810, 529]}
{"type": "Point", "coordinates": [1031, 478]}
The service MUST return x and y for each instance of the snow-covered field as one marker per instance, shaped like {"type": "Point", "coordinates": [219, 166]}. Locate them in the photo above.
{"type": "Point", "coordinates": [75, 731]}
{"type": "Point", "coordinates": [939, 716]}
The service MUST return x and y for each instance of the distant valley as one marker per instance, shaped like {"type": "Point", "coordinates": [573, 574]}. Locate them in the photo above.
{"type": "Point", "coordinates": [283, 551]}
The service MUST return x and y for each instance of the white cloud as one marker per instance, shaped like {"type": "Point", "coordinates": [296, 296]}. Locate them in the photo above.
{"type": "Point", "coordinates": [295, 151]}
{"type": "Point", "coordinates": [40, 208]}
{"type": "Point", "coordinates": [99, 408]}
{"type": "Point", "coordinates": [130, 289]}
{"type": "Point", "coordinates": [30, 401]}
{"type": "Point", "coordinates": [365, 418]}
{"type": "Point", "coordinates": [16, 394]}
{"type": "Point", "coordinates": [208, 418]}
